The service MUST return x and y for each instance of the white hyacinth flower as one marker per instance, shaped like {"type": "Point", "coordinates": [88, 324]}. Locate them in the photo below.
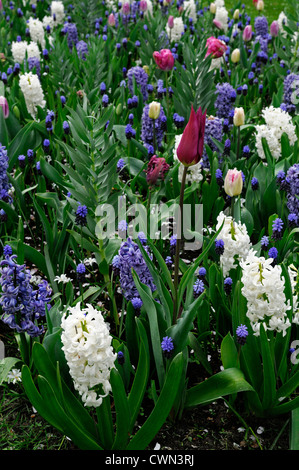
{"type": "Point", "coordinates": [236, 240]}
{"type": "Point", "coordinates": [263, 288]}
{"type": "Point", "coordinates": [88, 352]}
{"type": "Point", "coordinates": [18, 50]}
{"type": "Point", "coordinates": [57, 9]}
{"type": "Point", "coordinates": [33, 93]}
{"type": "Point", "coordinates": [277, 122]}
{"type": "Point", "coordinates": [178, 29]}
{"type": "Point", "coordinates": [36, 31]}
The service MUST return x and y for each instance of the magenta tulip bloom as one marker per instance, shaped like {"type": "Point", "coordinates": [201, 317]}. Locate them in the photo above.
{"type": "Point", "coordinates": [111, 19]}
{"type": "Point", "coordinates": [215, 47]}
{"type": "Point", "coordinates": [274, 29]}
{"type": "Point", "coordinates": [164, 59]}
{"type": "Point", "coordinates": [143, 5]}
{"type": "Point", "coordinates": [247, 33]}
{"type": "Point", "coordinates": [4, 106]}
{"type": "Point", "coordinates": [170, 22]}
{"type": "Point", "coordinates": [156, 170]}
{"type": "Point", "coordinates": [191, 146]}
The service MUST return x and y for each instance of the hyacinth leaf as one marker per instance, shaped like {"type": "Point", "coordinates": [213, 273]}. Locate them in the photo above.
{"type": "Point", "coordinates": [269, 387]}
{"type": "Point", "coordinates": [226, 382]}
{"type": "Point", "coordinates": [122, 410]}
{"type": "Point", "coordinates": [229, 352]}
{"type": "Point", "coordinates": [105, 423]}
{"type": "Point", "coordinates": [180, 330]}
{"type": "Point", "coordinates": [77, 434]}
{"type": "Point", "coordinates": [73, 407]}
{"type": "Point", "coordinates": [162, 407]}
{"type": "Point", "coordinates": [199, 353]}
{"type": "Point", "coordinates": [294, 438]}
{"type": "Point", "coordinates": [189, 273]}
{"type": "Point", "coordinates": [164, 294]}
{"type": "Point", "coordinates": [141, 376]}
{"type": "Point", "coordinates": [146, 297]}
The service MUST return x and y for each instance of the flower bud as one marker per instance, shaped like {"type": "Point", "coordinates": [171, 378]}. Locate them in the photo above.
{"type": "Point", "coordinates": [213, 8]}
{"type": "Point", "coordinates": [143, 5]}
{"type": "Point", "coordinates": [111, 20]}
{"type": "Point", "coordinates": [236, 14]}
{"type": "Point", "coordinates": [4, 106]}
{"type": "Point", "coordinates": [170, 22]}
{"type": "Point", "coordinates": [146, 69]}
{"type": "Point", "coordinates": [247, 33]}
{"type": "Point", "coordinates": [126, 8]}
{"type": "Point", "coordinates": [154, 110]}
{"type": "Point", "coordinates": [191, 146]}
{"type": "Point", "coordinates": [233, 183]}
{"type": "Point", "coordinates": [274, 29]}
{"type": "Point", "coordinates": [239, 117]}
{"type": "Point", "coordinates": [16, 112]}
{"type": "Point", "coordinates": [235, 57]}
{"type": "Point", "coordinates": [260, 5]}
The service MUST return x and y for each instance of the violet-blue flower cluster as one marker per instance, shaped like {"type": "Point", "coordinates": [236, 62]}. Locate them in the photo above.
{"type": "Point", "coordinates": [130, 257]}
{"type": "Point", "coordinates": [23, 306]}
{"type": "Point", "coordinates": [141, 78]}
{"type": "Point", "coordinates": [4, 183]}
{"type": "Point", "coordinates": [147, 130]}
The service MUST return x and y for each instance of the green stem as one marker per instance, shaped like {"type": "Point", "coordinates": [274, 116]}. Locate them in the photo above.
{"type": "Point", "coordinates": [238, 141]}
{"type": "Point", "coordinates": [178, 245]}
{"type": "Point", "coordinates": [154, 136]}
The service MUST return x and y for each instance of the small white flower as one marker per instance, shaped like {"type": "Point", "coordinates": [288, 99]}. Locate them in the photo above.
{"type": "Point", "coordinates": [14, 376]}
{"type": "Point", "coordinates": [62, 278]}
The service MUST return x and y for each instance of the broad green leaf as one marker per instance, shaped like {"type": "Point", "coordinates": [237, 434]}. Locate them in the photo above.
{"type": "Point", "coordinates": [226, 382]}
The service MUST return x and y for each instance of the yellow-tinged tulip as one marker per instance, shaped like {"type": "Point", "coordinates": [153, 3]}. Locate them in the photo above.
{"type": "Point", "coordinates": [236, 14]}
{"type": "Point", "coordinates": [233, 183]}
{"type": "Point", "coordinates": [239, 117]}
{"type": "Point", "coordinates": [213, 8]}
{"type": "Point", "coordinates": [235, 57]}
{"type": "Point", "coordinates": [154, 110]}
{"type": "Point", "coordinates": [260, 5]}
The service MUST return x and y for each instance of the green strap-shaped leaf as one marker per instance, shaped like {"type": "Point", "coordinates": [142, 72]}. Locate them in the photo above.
{"type": "Point", "coordinates": [122, 411]}
{"type": "Point", "coordinates": [73, 407]}
{"type": "Point", "coordinates": [146, 297]}
{"type": "Point", "coordinates": [223, 383]}
{"type": "Point", "coordinates": [269, 386]}
{"type": "Point", "coordinates": [141, 376]}
{"type": "Point", "coordinates": [294, 438]}
{"type": "Point", "coordinates": [229, 352]}
{"type": "Point", "coordinates": [162, 408]}
{"type": "Point", "coordinates": [77, 434]}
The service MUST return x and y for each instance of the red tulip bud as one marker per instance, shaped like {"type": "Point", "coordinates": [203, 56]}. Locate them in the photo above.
{"type": "Point", "coordinates": [156, 170]}
{"type": "Point", "coordinates": [191, 146]}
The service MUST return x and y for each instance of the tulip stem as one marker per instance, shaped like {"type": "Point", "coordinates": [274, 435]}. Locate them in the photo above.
{"type": "Point", "coordinates": [178, 245]}
{"type": "Point", "coordinates": [167, 94]}
{"type": "Point", "coordinates": [154, 135]}
{"type": "Point", "coordinates": [238, 141]}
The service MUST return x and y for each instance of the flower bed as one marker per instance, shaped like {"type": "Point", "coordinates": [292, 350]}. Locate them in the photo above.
{"type": "Point", "coordinates": [149, 219]}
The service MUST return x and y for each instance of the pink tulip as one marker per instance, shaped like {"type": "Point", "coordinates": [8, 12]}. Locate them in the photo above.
{"type": "Point", "coordinates": [218, 24]}
{"type": "Point", "coordinates": [191, 146]}
{"type": "Point", "coordinates": [164, 59]}
{"type": "Point", "coordinates": [111, 20]}
{"type": "Point", "coordinates": [1, 6]}
{"type": "Point", "coordinates": [126, 8]}
{"type": "Point", "coordinates": [170, 22]}
{"type": "Point", "coordinates": [274, 29]}
{"type": "Point", "coordinates": [4, 106]}
{"type": "Point", "coordinates": [247, 33]}
{"type": "Point", "coordinates": [143, 5]}
{"type": "Point", "coordinates": [215, 47]}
